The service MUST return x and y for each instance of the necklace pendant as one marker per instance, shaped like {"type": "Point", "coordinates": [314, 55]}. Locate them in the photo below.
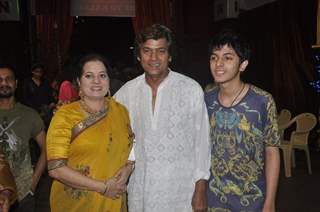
{"type": "Point", "coordinates": [238, 94]}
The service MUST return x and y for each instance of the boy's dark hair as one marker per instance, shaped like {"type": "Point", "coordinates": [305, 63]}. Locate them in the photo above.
{"type": "Point", "coordinates": [234, 40]}
{"type": "Point", "coordinates": [155, 32]}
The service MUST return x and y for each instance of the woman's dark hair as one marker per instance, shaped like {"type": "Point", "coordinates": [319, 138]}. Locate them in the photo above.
{"type": "Point", "coordinates": [155, 32]}
{"type": "Point", "coordinates": [234, 40]}
{"type": "Point", "coordinates": [91, 57]}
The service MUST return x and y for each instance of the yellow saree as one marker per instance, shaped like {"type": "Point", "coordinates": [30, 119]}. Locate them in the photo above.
{"type": "Point", "coordinates": [98, 150]}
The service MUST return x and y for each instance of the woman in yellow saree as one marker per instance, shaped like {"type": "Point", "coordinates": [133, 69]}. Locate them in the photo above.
{"type": "Point", "coordinates": [88, 144]}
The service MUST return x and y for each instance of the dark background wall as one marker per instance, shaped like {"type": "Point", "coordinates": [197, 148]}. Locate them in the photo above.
{"type": "Point", "coordinates": [14, 42]}
{"type": "Point", "coordinates": [281, 34]}
{"type": "Point", "coordinates": [112, 37]}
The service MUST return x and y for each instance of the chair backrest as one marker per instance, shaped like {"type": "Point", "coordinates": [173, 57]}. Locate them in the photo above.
{"type": "Point", "coordinates": [305, 123]}
{"type": "Point", "coordinates": [283, 119]}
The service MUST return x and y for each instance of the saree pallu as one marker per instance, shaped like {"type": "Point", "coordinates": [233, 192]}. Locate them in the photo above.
{"type": "Point", "coordinates": [98, 151]}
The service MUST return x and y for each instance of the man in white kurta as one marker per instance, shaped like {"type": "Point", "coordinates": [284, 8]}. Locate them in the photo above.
{"type": "Point", "coordinates": [172, 150]}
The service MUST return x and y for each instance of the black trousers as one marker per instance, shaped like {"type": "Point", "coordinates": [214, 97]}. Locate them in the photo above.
{"type": "Point", "coordinates": [27, 204]}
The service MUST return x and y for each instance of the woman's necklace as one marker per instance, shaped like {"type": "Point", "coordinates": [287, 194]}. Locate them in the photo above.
{"type": "Point", "coordinates": [89, 111]}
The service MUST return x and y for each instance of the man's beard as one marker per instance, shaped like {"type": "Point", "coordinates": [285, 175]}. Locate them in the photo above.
{"type": "Point", "coordinates": [6, 92]}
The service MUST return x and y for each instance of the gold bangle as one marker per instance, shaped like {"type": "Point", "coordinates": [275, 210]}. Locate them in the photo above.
{"type": "Point", "coordinates": [54, 164]}
{"type": "Point", "coordinates": [106, 188]}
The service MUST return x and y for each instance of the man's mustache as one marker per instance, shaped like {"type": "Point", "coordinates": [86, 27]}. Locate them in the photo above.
{"type": "Point", "coordinates": [5, 87]}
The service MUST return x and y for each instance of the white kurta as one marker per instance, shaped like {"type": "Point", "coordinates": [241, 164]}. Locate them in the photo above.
{"type": "Point", "coordinates": [172, 148]}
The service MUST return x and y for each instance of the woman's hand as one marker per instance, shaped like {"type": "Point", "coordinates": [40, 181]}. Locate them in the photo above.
{"type": "Point", "coordinates": [124, 172]}
{"type": "Point", "coordinates": [114, 189]}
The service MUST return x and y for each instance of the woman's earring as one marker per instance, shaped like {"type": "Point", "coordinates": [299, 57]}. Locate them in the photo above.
{"type": "Point", "coordinates": [108, 94]}
{"type": "Point", "coordinates": [81, 94]}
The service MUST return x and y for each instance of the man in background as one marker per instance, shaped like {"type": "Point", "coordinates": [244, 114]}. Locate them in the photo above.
{"type": "Point", "coordinates": [38, 94]}
{"type": "Point", "coordinates": [18, 124]}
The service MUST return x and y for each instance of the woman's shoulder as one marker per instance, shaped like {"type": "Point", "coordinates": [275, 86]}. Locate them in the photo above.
{"type": "Point", "coordinates": [68, 114]}
{"type": "Point", "coordinates": [119, 111]}
{"type": "Point", "coordinates": [117, 105]}
{"type": "Point", "coordinates": [69, 108]}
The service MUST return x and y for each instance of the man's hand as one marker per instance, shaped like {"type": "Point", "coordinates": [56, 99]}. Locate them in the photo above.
{"type": "Point", "coordinates": [199, 199]}
{"type": "Point", "coordinates": [269, 207]}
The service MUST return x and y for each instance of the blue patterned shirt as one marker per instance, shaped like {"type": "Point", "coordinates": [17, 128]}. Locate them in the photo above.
{"type": "Point", "coordinates": [239, 136]}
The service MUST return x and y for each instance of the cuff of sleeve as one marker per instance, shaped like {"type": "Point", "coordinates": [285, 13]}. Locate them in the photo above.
{"type": "Point", "coordinates": [199, 174]}
{"type": "Point", "coordinates": [54, 164]}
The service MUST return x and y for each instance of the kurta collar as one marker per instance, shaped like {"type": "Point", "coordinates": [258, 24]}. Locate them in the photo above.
{"type": "Point", "coordinates": [163, 83]}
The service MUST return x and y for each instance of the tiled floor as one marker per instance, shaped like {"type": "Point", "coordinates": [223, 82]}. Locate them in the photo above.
{"type": "Point", "coordinates": [300, 193]}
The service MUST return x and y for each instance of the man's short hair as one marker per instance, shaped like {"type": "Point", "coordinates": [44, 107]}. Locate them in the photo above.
{"type": "Point", "coordinates": [155, 32]}
{"type": "Point", "coordinates": [233, 39]}
{"type": "Point", "coordinates": [37, 65]}
{"type": "Point", "coordinates": [10, 67]}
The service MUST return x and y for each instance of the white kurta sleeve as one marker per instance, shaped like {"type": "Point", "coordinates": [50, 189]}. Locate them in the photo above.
{"type": "Point", "coordinates": [121, 96]}
{"type": "Point", "coordinates": [202, 136]}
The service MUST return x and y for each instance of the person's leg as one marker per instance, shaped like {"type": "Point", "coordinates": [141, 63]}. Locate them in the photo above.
{"type": "Point", "coordinates": [27, 204]}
